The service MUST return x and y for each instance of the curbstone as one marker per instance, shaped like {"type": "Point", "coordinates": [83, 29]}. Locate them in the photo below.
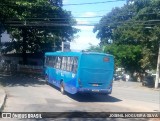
{"type": "Point", "coordinates": [3, 97]}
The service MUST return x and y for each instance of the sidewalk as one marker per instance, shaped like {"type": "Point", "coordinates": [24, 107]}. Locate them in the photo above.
{"type": "Point", "coordinates": [135, 85]}
{"type": "Point", "coordinates": [2, 98]}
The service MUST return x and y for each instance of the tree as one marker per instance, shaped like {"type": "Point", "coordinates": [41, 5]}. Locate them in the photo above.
{"type": "Point", "coordinates": [94, 48]}
{"type": "Point", "coordinates": [135, 24]}
{"type": "Point", "coordinates": [127, 56]}
{"type": "Point", "coordinates": [37, 26]}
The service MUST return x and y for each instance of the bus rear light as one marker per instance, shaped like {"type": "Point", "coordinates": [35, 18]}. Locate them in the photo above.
{"type": "Point", "coordinates": [106, 59]}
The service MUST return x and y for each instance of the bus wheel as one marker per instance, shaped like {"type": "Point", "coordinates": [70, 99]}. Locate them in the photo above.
{"type": "Point", "coordinates": [62, 88]}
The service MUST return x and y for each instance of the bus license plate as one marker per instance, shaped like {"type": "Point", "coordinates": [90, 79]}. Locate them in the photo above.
{"type": "Point", "coordinates": [95, 85]}
{"type": "Point", "coordinates": [95, 90]}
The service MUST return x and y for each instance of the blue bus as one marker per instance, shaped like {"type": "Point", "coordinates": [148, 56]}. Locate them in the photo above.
{"type": "Point", "coordinates": [80, 72]}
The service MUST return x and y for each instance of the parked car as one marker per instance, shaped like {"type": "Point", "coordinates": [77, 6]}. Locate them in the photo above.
{"type": "Point", "coordinates": [117, 77]}
{"type": "Point", "coordinates": [123, 77]}
{"type": "Point", "coordinates": [148, 81]}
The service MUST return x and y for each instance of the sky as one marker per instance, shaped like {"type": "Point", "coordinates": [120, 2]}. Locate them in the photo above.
{"type": "Point", "coordinates": [86, 35]}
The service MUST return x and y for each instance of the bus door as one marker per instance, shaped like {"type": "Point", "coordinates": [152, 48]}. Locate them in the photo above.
{"type": "Point", "coordinates": [58, 72]}
{"type": "Point", "coordinates": [68, 71]}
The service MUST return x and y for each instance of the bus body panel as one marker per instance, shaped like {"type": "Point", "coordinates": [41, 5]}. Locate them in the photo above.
{"type": "Point", "coordinates": [69, 79]}
{"type": "Point", "coordinates": [57, 75]}
{"type": "Point", "coordinates": [96, 73]}
{"type": "Point", "coordinates": [93, 75]}
{"type": "Point", "coordinates": [70, 83]}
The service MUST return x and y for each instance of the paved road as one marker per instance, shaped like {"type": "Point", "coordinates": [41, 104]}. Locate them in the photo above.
{"type": "Point", "coordinates": [31, 94]}
{"type": "Point", "coordinates": [146, 99]}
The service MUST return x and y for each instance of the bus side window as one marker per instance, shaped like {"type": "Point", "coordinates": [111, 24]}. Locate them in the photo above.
{"type": "Point", "coordinates": [50, 61]}
{"type": "Point", "coordinates": [55, 66]}
{"type": "Point", "coordinates": [58, 62]}
{"type": "Point", "coordinates": [75, 65]}
{"type": "Point", "coordinates": [68, 63]}
{"type": "Point", "coordinates": [53, 61]}
{"type": "Point", "coordinates": [64, 63]}
{"type": "Point", "coordinates": [71, 64]}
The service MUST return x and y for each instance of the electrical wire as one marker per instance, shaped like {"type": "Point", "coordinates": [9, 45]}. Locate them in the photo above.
{"type": "Point", "coordinates": [94, 3]}
{"type": "Point", "coordinates": [84, 17]}
{"type": "Point", "coordinates": [46, 21]}
{"type": "Point", "coordinates": [99, 11]}
{"type": "Point", "coordinates": [91, 3]}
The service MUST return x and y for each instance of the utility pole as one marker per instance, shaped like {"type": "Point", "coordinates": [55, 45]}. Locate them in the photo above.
{"type": "Point", "coordinates": [0, 46]}
{"type": "Point", "coordinates": [157, 72]}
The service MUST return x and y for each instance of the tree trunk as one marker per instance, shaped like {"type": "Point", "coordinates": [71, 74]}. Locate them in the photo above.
{"type": "Point", "coordinates": [24, 55]}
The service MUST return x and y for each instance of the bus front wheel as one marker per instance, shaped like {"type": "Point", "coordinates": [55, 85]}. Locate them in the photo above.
{"type": "Point", "coordinates": [62, 88]}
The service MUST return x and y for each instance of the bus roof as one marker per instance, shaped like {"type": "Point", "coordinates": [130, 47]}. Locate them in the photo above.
{"type": "Point", "coordinates": [60, 53]}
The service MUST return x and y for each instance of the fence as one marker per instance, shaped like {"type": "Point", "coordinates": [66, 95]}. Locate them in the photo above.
{"type": "Point", "coordinates": [30, 69]}
{"type": "Point", "coordinates": [13, 68]}
{"type": "Point", "coordinates": [5, 67]}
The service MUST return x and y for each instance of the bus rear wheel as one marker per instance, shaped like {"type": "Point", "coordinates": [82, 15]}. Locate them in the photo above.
{"type": "Point", "coordinates": [62, 88]}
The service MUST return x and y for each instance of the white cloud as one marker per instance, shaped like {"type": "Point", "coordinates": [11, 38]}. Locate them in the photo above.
{"type": "Point", "coordinates": [84, 20]}
{"type": "Point", "coordinates": [83, 42]}
{"type": "Point", "coordinates": [85, 28]}
{"type": "Point", "coordinates": [65, 1]}
{"type": "Point", "coordinates": [86, 36]}
{"type": "Point", "coordinates": [88, 14]}
{"type": "Point", "coordinates": [80, 21]}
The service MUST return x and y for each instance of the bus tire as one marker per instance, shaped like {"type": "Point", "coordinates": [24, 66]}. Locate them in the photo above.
{"type": "Point", "coordinates": [62, 88]}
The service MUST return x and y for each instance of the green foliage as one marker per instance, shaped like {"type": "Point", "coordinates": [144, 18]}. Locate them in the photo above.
{"type": "Point", "coordinates": [127, 56]}
{"type": "Point", "coordinates": [132, 26]}
{"type": "Point", "coordinates": [36, 25]}
{"type": "Point", "coordinates": [94, 48]}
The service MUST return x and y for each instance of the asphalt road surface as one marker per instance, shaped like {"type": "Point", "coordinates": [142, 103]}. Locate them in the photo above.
{"type": "Point", "coordinates": [29, 93]}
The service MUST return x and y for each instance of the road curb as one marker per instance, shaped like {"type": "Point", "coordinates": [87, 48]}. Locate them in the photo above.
{"type": "Point", "coordinates": [3, 100]}
{"type": "Point", "coordinates": [156, 89]}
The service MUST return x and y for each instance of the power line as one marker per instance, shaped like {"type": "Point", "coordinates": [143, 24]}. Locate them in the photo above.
{"type": "Point", "coordinates": [46, 25]}
{"type": "Point", "coordinates": [67, 24]}
{"type": "Point", "coordinates": [94, 3]}
{"type": "Point", "coordinates": [84, 17]}
{"type": "Point", "coordinates": [91, 3]}
{"type": "Point", "coordinates": [28, 20]}
{"type": "Point", "coordinates": [99, 11]}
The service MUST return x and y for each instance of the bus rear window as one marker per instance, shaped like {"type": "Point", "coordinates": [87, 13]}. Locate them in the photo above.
{"type": "Point", "coordinates": [97, 61]}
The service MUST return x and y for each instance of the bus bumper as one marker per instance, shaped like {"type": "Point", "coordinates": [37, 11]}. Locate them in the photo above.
{"type": "Point", "coordinates": [102, 91]}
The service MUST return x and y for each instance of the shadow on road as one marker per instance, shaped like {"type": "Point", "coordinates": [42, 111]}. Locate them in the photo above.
{"type": "Point", "coordinates": [93, 98]}
{"type": "Point", "coordinates": [25, 80]}
{"type": "Point", "coordinates": [87, 97]}
{"type": "Point", "coordinates": [20, 79]}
